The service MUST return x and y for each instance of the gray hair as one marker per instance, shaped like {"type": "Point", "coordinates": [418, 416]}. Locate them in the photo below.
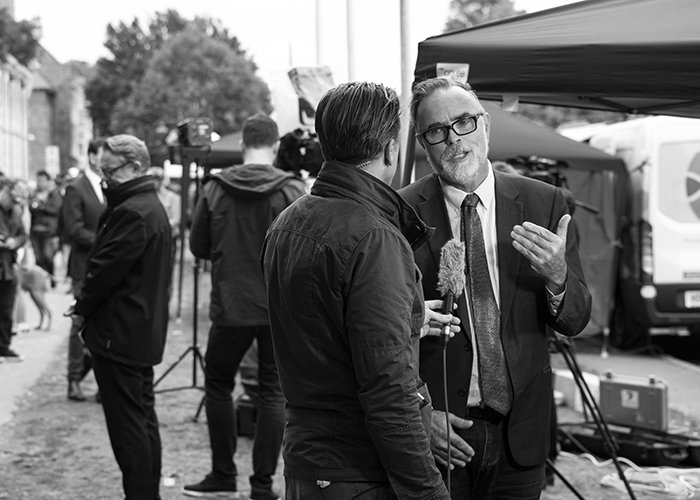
{"type": "Point", "coordinates": [426, 88]}
{"type": "Point", "coordinates": [130, 148]}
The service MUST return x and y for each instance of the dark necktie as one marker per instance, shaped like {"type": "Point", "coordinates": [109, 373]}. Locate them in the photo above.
{"type": "Point", "coordinates": [493, 376]}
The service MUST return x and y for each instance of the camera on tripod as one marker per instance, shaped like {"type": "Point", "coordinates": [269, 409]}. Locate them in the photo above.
{"type": "Point", "coordinates": [195, 132]}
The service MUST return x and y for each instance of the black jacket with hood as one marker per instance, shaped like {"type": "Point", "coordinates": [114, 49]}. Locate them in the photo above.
{"type": "Point", "coordinates": [232, 215]}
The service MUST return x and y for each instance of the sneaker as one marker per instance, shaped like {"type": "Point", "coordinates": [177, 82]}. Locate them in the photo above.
{"type": "Point", "coordinates": [211, 487]}
{"type": "Point", "coordinates": [10, 355]}
{"type": "Point", "coordinates": [264, 495]}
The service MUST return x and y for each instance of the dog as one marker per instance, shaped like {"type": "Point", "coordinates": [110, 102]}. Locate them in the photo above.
{"type": "Point", "coordinates": [35, 281]}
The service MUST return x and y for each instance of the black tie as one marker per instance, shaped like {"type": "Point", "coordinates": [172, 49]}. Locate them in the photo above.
{"type": "Point", "coordinates": [493, 376]}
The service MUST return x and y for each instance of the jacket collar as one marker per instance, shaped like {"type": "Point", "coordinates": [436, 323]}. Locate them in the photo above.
{"type": "Point", "coordinates": [117, 195]}
{"type": "Point", "coordinates": [341, 180]}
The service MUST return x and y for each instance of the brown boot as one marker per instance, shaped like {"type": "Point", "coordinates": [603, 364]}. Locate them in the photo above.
{"type": "Point", "coordinates": [74, 391]}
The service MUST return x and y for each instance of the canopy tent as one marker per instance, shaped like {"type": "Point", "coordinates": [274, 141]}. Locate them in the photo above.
{"type": "Point", "coordinates": [597, 180]}
{"type": "Point", "coordinates": [631, 56]}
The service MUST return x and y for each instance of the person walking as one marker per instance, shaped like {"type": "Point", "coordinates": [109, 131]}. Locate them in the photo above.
{"type": "Point", "coordinates": [228, 228]}
{"type": "Point", "coordinates": [122, 307]}
{"type": "Point", "coordinates": [44, 205]}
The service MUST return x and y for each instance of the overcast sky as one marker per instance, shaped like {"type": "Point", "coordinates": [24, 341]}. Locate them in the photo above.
{"type": "Point", "coordinates": [278, 34]}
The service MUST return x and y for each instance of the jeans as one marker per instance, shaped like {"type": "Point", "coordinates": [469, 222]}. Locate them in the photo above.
{"type": "Point", "coordinates": [8, 292]}
{"type": "Point", "coordinates": [491, 474]}
{"type": "Point", "coordinates": [297, 489]}
{"type": "Point", "coordinates": [128, 403]}
{"type": "Point", "coordinates": [225, 348]}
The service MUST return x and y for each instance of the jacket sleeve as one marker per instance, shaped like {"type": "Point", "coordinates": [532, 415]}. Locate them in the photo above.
{"type": "Point", "coordinates": [575, 309]}
{"type": "Point", "coordinates": [74, 220]}
{"type": "Point", "coordinates": [382, 281]}
{"type": "Point", "coordinates": [123, 243]}
{"type": "Point", "coordinates": [200, 237]}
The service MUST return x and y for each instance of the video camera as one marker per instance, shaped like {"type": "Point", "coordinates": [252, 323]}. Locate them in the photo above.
{"type": "Point", "coordinates": [195, 132]}
{"type": "Point", "coordinates": [300, 150]}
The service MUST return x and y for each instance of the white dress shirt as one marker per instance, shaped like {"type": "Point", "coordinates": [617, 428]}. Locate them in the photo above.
{"type": "Point", "coordinates": [95, 182]}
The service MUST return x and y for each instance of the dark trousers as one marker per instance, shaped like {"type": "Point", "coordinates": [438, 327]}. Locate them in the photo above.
{"type": "Point", "coordinates": [129, 407]}
{"type": "Point", "coordinates": [78, 357]}
{"type": "Point", "coordinates": [491, 474]}
{"type": "Point", "coordinates": [226, 347]}
{"type": "Point", "coordinates": [44, 247]}
{"type": "Point", "coordinates": [8, 292]}
{"type": "Point", "coordinates": [297, 489]}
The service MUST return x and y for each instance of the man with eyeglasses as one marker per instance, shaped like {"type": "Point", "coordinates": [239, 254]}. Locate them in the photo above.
{"type": "Point", "coordinates": [523, 274]}
{"type": "Point", "coordinates": [123, 309]}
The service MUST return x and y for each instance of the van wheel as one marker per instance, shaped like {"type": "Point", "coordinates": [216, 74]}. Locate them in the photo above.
{"type": "Point", "coordinates": [626, 332]}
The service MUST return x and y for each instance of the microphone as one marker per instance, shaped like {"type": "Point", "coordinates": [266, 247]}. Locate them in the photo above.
{"type": "Point", "coordinates": [451, 279]}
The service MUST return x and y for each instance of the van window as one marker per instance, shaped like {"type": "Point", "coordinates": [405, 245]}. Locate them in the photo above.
{"type": "Point", "coordinates": [678, 181]}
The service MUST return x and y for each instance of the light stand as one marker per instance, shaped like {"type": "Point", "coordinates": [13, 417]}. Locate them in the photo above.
{"type": "Point", "coordinates": [197, 155]}
{"type": "Point", "coordinates": [563, 346]}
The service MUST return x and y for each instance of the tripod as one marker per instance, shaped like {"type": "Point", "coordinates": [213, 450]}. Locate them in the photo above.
{"type": "Point", "coordinates": [563, 346]}
{"type": "Point", "coordinates": [198, 156]}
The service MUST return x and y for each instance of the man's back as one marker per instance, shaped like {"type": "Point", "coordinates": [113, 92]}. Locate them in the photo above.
{"type": "Point", "coordinates": [229, 225]}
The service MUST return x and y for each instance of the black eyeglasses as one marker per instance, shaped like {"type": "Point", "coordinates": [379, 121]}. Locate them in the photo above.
{"type": "Point", "coordinates": [461, 126]}
{"type": "Point", "coordinates": [110, 171]}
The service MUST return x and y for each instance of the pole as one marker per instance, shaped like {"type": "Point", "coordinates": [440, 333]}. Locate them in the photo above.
{"type": "Point", "coordinates": [350, 23]}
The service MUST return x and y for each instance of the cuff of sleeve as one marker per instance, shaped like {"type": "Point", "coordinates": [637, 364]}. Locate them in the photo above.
{"type": "Point", "coordinates": [554, 300]}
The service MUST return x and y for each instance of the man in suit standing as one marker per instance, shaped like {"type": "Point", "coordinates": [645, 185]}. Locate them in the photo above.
{"type": "Point", "coordinates": [83, 204]}
{"type": "Point", "coordinates": [523, 273]}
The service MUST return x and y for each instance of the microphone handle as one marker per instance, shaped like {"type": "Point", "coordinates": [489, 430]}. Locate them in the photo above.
{"type": "Point", "coordinates": [449, 303]}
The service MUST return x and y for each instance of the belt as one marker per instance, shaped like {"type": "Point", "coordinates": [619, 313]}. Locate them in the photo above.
{"type": "Point", "coordinates": [483, 412]}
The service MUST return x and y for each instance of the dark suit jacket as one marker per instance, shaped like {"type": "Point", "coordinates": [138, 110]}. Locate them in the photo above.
{"type": "Point", "coordinates": [523, 304]}
{"type": "Point", "coordinates": [81, 212]}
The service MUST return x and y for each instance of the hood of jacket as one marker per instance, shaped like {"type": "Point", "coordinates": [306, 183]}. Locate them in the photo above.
{"type": "Point", "coordinates": [341, 180]}
{"type": "Point", "coordinates": [251, 180]}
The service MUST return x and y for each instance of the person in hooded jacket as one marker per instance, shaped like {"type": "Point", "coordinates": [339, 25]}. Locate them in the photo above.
{"type": "Point", "coordinates": [229, 224]}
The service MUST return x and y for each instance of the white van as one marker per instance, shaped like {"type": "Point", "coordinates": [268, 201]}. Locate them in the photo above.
{"type": "Point", "coordinates": [658, 285]}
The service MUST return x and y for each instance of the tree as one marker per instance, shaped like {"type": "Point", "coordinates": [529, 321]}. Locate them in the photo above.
{"type": "Point", "coordinates": [18, 38]}
{"type": "Point", "coordinates": [131, 49]}
{"type": "Point", "coordinates": [470, 13]}
{"type": "Point", "coordinates": [193, 74]}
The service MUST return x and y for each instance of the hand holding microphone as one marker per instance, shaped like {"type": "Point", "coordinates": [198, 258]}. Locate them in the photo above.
{"type": "Point", "coordinates": [436, 322]}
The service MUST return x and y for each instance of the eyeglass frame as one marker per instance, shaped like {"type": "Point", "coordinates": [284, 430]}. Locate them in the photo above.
{"type": "Point", "coordinates": [110, 171]}
{"type": "Point", "coordinates": [451, 126]}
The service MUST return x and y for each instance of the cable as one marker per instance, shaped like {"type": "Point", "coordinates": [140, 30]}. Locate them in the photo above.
{"type": "Point", "coordinates": [447, 412]}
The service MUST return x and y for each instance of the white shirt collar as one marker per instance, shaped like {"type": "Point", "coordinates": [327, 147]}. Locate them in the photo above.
{"type": "Point", "coordinates": [486, 192]}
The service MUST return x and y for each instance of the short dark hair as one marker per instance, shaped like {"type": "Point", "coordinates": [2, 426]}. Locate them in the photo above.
{"type": "Point", "coordinates": [260, 131]}
{"type": "Point", "coordinates": [95, 144]}
{"type": "Point", "coordinates": [354, 121]}
{"type": "Point", "coordinates": [426, 88]}
{"type": "Point", "coordinates": [44, 173]}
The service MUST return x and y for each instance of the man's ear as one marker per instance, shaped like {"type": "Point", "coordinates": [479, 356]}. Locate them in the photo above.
{"type": "Point", "coordinates": [487, 124]}
{"type": "Point", "coordinates": [391, 152]}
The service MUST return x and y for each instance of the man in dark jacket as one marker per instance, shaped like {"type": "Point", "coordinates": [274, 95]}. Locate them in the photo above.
{"type": "Point", "coordinates": [523, 272]}
{"type": "Point", "coordinates": [124, 306]}
{"type": "Point", "coordinates": [82, 206]}
{"type": "Point", "coordinates": [346, 311]}
{"type": "Point", "coordinates": [228, 227]}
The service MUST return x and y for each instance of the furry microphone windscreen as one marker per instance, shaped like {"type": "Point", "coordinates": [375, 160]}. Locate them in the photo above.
{"type": "Point", "coordinates": [451, 274]}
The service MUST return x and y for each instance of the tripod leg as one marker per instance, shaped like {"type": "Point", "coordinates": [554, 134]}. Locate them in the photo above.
{"type": "Point", "coordinates": [571, 487]}
{"type": "Point", "coordinates": [171, 367]}
{"type": "Point", "coordinates": [199, 409]}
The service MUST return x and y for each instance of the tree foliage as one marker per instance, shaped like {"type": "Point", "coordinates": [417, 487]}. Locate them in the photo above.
{"type": "Point", "coordinates": [18, 38]}
{"type": "Point", "coordinates": [191, 75]}
{"type": "Point", "coordinates": [132, 47]}
{"type": "Point", "coordinates": [470, 13]}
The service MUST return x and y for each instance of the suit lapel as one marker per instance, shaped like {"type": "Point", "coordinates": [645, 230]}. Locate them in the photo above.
{"type": "Point", "coordinates": [509, 212]}
{"type": "Point", "coordinates": [433, 212]}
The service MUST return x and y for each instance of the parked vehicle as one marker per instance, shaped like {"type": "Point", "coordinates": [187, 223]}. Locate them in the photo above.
{"type": "Point", "coordinates": [658, 289]}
